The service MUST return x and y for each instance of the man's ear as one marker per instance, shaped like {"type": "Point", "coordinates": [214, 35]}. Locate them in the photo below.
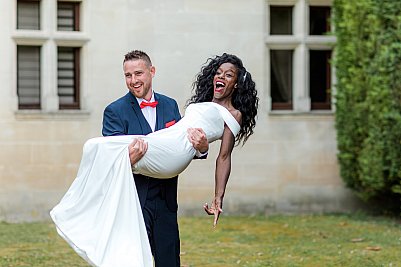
{"type": "Point", "coordinates": [153, 71]}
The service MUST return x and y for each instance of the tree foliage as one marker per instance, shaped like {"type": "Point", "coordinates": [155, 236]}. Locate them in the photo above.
{"type": "Point", "coordinates": [368, 99]}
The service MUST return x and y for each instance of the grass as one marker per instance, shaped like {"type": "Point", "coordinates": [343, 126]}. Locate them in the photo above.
{"type": "Point", "coordinates": [305, 240]}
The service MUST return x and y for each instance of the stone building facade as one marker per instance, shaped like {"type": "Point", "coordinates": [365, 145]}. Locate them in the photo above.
{"type": "Point", "coordinates": [62, 64]}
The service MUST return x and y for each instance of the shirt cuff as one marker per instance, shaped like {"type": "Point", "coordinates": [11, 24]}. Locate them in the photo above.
{"type": "Point", "coordinates": [199, 154]}
{"type": "Point", "coordinates": [134, 168]}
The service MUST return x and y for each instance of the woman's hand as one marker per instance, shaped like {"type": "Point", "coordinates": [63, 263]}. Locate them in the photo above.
{"type": "Point", "coordinates": [215, 209]}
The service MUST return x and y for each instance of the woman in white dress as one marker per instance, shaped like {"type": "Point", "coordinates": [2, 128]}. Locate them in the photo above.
{"type": "Point", "coordinates": [100, 215]}
{"type": "Point", "coordinates": [225, 81]}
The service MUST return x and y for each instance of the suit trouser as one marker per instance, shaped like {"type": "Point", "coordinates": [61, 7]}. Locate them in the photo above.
{"type": "Point", "coordinates": [162, 228]}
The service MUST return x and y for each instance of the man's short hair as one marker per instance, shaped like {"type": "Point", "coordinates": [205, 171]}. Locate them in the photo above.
{"type": "Point", "coordinates": [137, 54]}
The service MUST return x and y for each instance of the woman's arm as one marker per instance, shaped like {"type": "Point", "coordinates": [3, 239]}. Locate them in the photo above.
{"type": "Point", "coordinates": [222, 173]}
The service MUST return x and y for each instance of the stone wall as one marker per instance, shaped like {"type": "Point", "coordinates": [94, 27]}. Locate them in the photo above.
{"type": "Point", "coordinates": [288, 165]}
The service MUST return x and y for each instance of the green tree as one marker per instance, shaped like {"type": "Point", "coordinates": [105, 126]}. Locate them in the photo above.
{"type": "Point", "coordinates": [368, 99]}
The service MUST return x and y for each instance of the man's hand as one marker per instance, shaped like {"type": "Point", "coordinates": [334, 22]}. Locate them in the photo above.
{"type": "Point", "coordinates": [198, 139]}
{"type": "Point", "coordinates": [137, 149]}
{"type": "Point", "coordinates": [215, 209]}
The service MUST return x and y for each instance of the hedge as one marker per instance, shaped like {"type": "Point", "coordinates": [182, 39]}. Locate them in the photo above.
{"type": "Point", "coordinates": [368, 98]}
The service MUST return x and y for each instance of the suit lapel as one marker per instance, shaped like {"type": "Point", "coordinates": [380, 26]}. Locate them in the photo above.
{"type": "Point", "coordinates": [159, 113]}
{"type": "Point", "coordinates": [141, 119]}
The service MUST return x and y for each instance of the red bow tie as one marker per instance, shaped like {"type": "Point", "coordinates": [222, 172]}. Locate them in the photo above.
{"type": "Point", "coordinates": [148, 104]}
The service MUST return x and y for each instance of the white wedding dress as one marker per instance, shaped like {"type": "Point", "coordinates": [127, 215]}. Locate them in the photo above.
{"type": "Point", "coordinates": [100, 215]}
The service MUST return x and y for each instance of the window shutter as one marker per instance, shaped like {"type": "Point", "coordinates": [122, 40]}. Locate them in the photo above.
{"type": "Point", "coordinates": [68, 77]}
{"type": "Point", "coordinates": [28, 77]}
{"type": "Point", "coordinates": [67, 16]}
{"type": "Point", "coordinates": [28, 17]}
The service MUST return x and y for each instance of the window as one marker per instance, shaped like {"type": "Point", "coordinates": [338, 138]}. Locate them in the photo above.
{"type": "Point", "coordinates": [68, 77]}
{"type": "Point", "coordinates": [68, 16]}
{"type": "Point", "coordinates": [319, 20]}
{"type": "Point", "coordinates": [48, 61]}
{"type": "Point", "coordinates": [28, 15]}
{"type": "Point", "coordinates": [320, 79]}
{"type": "Point", "coordinates": [28, 77]}
{"type": "Point", "coordinates": [281, 78]}
{"type": "Point", "coordinates": [280, 20]}
{"type": "Point", "coordinates": [299, 52]}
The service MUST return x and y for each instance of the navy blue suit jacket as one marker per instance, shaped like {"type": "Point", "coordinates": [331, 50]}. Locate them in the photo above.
{"type": "Point", "coordinates": [124, 117]}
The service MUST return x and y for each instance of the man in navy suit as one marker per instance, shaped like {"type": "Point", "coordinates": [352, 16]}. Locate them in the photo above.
{"type": "Point", "coordinates": [140, 112]}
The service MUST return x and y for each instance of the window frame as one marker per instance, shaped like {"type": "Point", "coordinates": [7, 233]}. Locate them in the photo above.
{"type": "Point", "coordinates": [49, 39]}
{"type": "Point", "coordinates": [301, 42]}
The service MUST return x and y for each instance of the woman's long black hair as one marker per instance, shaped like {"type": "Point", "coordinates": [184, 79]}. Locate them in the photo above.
{"type": "Point", "coordinates": [244, 98]}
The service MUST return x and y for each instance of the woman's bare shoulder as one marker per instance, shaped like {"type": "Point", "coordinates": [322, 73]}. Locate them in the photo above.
{"type": "Point", "coordinates": [237, 115]}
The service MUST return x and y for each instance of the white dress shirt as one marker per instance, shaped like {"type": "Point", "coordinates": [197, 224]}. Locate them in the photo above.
{"type": "Point", "coordinates": [148, 112]}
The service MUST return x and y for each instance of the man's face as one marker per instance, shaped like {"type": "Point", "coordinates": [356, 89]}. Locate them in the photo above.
{"type": "Point", "coordinates": [138, 78]}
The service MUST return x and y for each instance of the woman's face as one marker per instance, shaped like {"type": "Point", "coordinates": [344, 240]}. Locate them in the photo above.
{"type": "Point", "coordinates": [225, 81]}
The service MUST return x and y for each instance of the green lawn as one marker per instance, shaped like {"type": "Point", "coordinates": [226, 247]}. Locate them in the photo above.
{"type": "Point", "coordinates": [321, 240]}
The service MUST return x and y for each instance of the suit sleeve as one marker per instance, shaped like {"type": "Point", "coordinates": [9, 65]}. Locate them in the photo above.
{"type": "Point", "coordinates": [177, 112]}
{"type": "Point", "coordinates": [112, 123]}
